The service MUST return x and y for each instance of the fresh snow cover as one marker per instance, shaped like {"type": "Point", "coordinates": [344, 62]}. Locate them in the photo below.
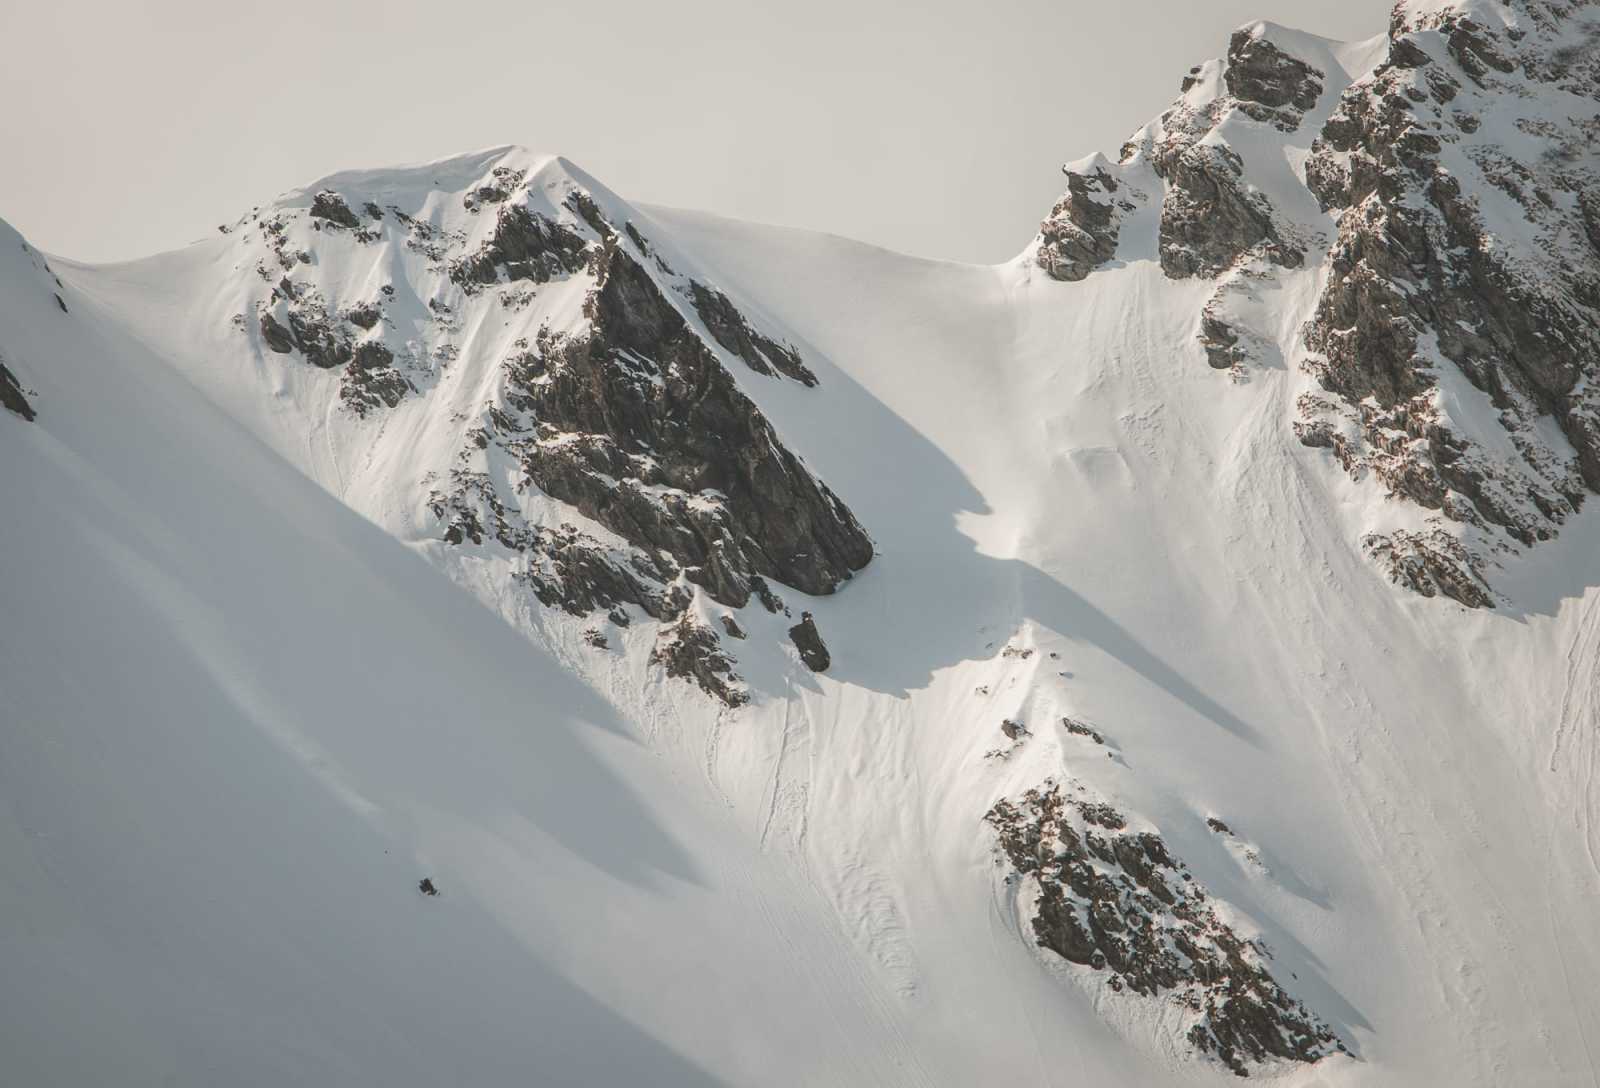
{"type": "Point", "coordinates": [248, 699]}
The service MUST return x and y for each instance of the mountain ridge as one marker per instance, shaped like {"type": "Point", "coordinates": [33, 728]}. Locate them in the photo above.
{"type": "Point", "coordinates": [1126, 759]}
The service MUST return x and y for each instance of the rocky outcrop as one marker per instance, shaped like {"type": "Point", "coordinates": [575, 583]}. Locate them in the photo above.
{"type": "Point", "coordinates": [1220, 341]}
{"type": "Point", "coordinates": [371, 380]}
{"type": "Point", "coordinates": [1267, 83]}
{"type": "Point", "coordinates": [1211, 217]}
{"type": "Point", "coordinates": [730, 329]}
{"type": "Point", "coordinates": [808, 640]}
{"type": "Point", "coordinates": [1116, 901]}
{"type": "Point", "coordinates": [691, 650]}
{"type": "Point", "coordinates": [1464, 288]}
{"type": "Point", "coordinates": [1080, 233]}
{"type": "Point", "coordinates": [525, 245]}
{"type": "Point", "coordinates": [625, 411]}
{"type": "Point", "coordinates": [636, 424]}
{"type": "Point", "coordinates": [502, 184]}
{"type": "Point", "coordinates": [330, 207]}
{"type": "Point", "coordinates": [11, 397]}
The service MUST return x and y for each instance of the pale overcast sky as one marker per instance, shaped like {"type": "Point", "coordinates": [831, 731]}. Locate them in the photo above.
{"type": "Point", "coordinates": [132, 126]}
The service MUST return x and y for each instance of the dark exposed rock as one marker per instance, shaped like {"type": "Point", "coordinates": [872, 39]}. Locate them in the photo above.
{"type": "Point", "coordinates": [278, 338]}
{"type": "Point", "coordinates": [330, 207]}
{"type": "Point", "coordinates": [642, 429]}
{"type": "Point", "coordinates": [11, 397]}
{"type": "Point", "coordinates": [594, 638]}
{"type": "Point", "coordinates": [1269, 84]}
{"type": "Point", "coordinates": [1419, 279]}
{"type": "Point", "coordinates": [371, 381]}
{"type": "Point", "coordinates": [1218, 826]}
{"type": "Point", "coordinates": [1120, 903]}
{"type": "Point", "coordinates": [426, 886]}
{"type": "Point", "coordinates": [525, 246]}
{"type": "Point", "coordinates": [583, 205]}
{"type": "Point", "coordinates": [1211, 217]}
{"type": "Point", "coordinates": [688, 649]}
{"type": "Point", "coordinates": [371, 355]}
{"type": "Point", "coordinates": [61, 302]}
{"type": "Point", "coordinates": [318, 341]}
{"type": "Point", "coordinates": [1429, 564]}
{"type": "Point", "coordinates": [769, 600]}
{"type": "Point", "coordinates": [1221, 343]}
{"type": "Point", "coordinates": [503, 182]}
{"type": "Point", "coordinates": [731, 625]}
{"type": "Point", "coordinates": [568, 569]}
{"type": "Point", "coordinates": [579, 575]}
{"type": "Point", "coordinates": [1080, 233]}
{"type": "Point", "coordinates": [363, 315]}
{"type": "Point", "coordinates": [628, 415]}
{"type": "Point", "coordinates": [808, 640]}
{"type": "Point", "coordinates": [729, 328]}
{"type": "Point", "coordinates": [1082, 729]}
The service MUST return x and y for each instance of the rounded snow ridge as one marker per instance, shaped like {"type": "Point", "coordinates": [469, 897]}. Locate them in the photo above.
{"type": "Point", "coordinates": [409, 182]}
{"type": "Point", "coordinates": [1088, 164]}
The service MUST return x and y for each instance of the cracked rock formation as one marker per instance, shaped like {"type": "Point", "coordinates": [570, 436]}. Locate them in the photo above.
{"type": "Point", "coordinates": [1116, 901]}
{"type": "Point", "coordinates": [614, 453]}
{"type": "Point", "coordinates": [1465, 273]}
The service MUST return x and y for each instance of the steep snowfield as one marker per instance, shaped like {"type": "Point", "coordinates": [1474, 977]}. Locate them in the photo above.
{"type": "Point", "coordinates": [1414, 778]}
{"type": "Point", "coordinates": [242, 723]}
{"type": "Point", "coordinates": [247, 704]}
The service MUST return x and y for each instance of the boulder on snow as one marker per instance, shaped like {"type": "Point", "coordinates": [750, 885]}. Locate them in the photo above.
{"type": "Point", "coordinates": [809, 642]}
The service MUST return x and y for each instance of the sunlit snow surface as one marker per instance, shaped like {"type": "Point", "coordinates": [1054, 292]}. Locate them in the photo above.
{"type": "Point", "coordinates": [248, 702]}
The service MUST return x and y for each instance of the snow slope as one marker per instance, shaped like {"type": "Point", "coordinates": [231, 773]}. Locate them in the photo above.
{"type": "Point", "coordinates": [242, 723]}
{"type": "Point", "coordinates": [250, 699]}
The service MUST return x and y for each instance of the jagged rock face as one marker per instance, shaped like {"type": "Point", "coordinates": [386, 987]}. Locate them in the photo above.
{"type": "Point", "coordinates": [1455, 334]}
{"type": "Point", "coordinates": [1220, 341]}
{"type": "Point", "coordinates": [1212, 218]}
{"type": "Point", "coordinates": [1116, 900]}
{"type": "Point", "coordinates": [1081, 231]}
{"type": "Point", "coordinates": [524, 246]}
{"type": "Point", "coordinates": [1268, 83]}
{"type": "Point", "coordinates": [642, 429]}
{"type": "Point", "coordinates": [330, 206]}
{"type": "Point", "coordinates": [619, 403]}
{"type": "Point", "coordinates": [730, 329]}
{"type": "Point", "coordinates": [369, 379]}
{"type": "Point", "coordinates": [11, 397]}
{"type": "Point", "coordinates": [693, 651]}
{"type": "Point", "coordinates": [1459, 252]}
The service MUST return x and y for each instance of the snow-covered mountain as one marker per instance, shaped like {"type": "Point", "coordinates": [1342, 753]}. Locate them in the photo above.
{"type": "Point", "coordinates": [463, 626]}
